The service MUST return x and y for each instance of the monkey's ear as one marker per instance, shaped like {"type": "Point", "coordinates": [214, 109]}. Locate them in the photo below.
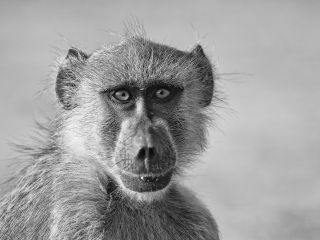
{"type": "Point", "coordinates": [205, 70]}
{"type": "Point", "coordinates": [68, 78]}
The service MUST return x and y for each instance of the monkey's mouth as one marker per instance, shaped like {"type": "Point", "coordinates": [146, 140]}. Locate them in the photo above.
{"type": "Point", "coordinates": [145, 183]}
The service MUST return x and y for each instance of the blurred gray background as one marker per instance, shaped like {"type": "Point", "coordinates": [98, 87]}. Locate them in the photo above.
{"type": "Point", "coordinates": [261, 174]}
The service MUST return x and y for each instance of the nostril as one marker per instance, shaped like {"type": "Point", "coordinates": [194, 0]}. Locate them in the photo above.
{"type": "Point", "coordinates": [152, 153]}
{"type": "Point", "coordinates": [146, 153]}
{"type": "Point", "coordinates": [141, 154]}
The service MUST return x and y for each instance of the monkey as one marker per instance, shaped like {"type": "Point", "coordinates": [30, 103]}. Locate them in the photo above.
{"type": "Point", "coordinates": [131, 117]}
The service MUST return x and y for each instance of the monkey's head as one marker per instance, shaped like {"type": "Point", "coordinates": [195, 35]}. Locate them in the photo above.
{"type": "Point", "coordinates": [136, 110]}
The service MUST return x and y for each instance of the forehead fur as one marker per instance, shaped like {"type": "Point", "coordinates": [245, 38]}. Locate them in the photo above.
{"type": "Point", "coordinates": [138, 60]}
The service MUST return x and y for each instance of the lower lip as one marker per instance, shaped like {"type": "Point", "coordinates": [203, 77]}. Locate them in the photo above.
{"type": "Point", "coordinates": [146, 183]}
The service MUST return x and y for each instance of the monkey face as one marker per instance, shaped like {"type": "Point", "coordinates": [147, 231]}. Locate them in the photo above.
{"type": "Point", "coordinates": [137, 109]}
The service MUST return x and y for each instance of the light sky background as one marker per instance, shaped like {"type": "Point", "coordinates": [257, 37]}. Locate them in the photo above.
{"type": "Point", "coordinates": [260, 176]}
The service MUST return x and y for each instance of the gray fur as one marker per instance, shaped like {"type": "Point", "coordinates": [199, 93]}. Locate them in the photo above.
{"type": "Point", "coordinates": [70, 188]}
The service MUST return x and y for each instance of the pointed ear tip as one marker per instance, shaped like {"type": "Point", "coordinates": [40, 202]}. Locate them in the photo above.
{"type": "Point", "coordinates": [198, 49]}
{"type": "Point", "coordinates": [75, 53]}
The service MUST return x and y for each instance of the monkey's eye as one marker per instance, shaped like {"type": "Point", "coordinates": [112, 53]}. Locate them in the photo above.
{"type": "Point", "coordinates": [162, 93]}
{"type": "Point", "coordinates": [122, 95]}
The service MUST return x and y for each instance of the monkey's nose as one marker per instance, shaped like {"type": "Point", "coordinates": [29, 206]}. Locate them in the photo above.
{"type": "Point", "coordinates": [146, 155]}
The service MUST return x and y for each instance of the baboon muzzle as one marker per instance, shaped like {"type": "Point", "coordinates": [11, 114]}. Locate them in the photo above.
{"type": "Point", "coordinates": [148, 162]}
